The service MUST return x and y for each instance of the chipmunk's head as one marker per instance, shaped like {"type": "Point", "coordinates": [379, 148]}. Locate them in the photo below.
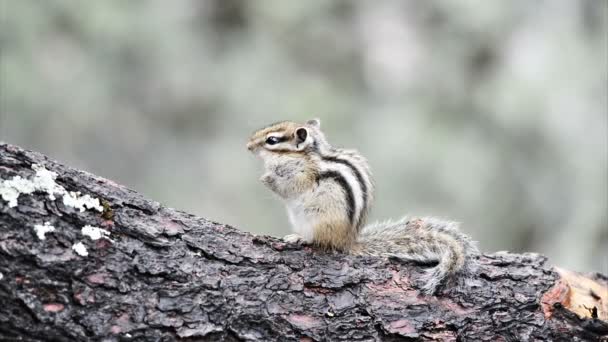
{"type": "Point", "coordinates": [286, 137]}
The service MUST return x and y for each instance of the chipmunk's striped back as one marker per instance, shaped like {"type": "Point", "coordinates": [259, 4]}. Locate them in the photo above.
{"type": "Point", "coordinates": [353, 171]}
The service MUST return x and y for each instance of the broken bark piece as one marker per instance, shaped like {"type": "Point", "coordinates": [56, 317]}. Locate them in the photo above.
{"type": "Point", "coordinates": [585, 295]}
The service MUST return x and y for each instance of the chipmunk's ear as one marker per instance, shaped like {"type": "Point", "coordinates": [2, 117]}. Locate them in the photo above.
{"type": "Point", "coordinates": [301, 135]}
{"type": "Point", "coordinates": [314, 122]}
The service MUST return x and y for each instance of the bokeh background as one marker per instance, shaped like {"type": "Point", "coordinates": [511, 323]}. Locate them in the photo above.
{"type": "Point", "coordinates": [492, 113]}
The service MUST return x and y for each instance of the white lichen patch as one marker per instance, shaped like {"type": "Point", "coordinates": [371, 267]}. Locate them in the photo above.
{"type": "Point", "coordinates": [73, 199]}
{"type": "Point", "coordinates": [44, 181]}
{"type": "Point", "coordinates": [10, 189]}
{"type": "Point", "coordinates": [80, 249]}
{"type": "Point", "coordinates": [41, 230]}
{"type": "Point", "coordinates": [95, 233]}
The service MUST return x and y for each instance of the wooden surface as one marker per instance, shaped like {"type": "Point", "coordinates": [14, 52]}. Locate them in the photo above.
{"type": "Point", "coordinates": [168, 275]}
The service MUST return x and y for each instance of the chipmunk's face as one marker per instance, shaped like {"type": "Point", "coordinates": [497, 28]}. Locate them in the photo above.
{"type": "Point", "coordinates": [283, 137]}
{"type": "Point", "coordinates": [283, 147]}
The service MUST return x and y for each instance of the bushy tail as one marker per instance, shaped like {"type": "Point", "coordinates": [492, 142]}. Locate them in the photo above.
{"type": "Point", "coordinates": [422, 240]}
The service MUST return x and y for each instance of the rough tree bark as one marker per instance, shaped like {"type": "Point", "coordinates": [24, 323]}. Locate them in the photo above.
{"type": "Point", "coordinates": [168, 275]}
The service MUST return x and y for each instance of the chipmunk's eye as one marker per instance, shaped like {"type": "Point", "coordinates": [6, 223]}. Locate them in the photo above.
{"type": "Point", "coordinates": [272, 140]}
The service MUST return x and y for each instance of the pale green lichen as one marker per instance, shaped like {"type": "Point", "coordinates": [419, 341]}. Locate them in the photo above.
{"type": "Point", "coordinates": [44, 181]}
{"type": "Point", "coordinates": [80, 249]}
{"type": "Point", "coordinates": [41, 230]}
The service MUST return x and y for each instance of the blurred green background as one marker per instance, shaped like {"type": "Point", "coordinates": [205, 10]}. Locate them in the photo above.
{"type": "Point", "coordinates": [492, 113]}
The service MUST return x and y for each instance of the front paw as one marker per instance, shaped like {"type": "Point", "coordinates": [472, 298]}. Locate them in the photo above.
{"type": "Point", "coordinates": [293, 238]}
{"type": "Point", "coordinates": [270, 181]}
{"type": "Point", "coordinates": [267, 178]}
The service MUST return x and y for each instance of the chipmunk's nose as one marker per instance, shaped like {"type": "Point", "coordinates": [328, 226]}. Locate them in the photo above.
{"type": "Point", "coordinates": [250, 146]}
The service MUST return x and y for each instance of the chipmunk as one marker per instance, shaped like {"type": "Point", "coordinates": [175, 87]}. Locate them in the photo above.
{"type": "Point", "coordinates": [328, 192]}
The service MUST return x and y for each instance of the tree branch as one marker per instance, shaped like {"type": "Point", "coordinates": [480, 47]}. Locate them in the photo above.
{"type": "Point", "coordinates": [165, 274]}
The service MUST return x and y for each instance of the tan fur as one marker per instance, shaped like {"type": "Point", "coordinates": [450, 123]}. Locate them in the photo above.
{"type": "Point", "coordinates": [332, 231]}
{"type": "Point", "coordinates": [259, 136]}
{"type": "Point", "coordinates": [335, 235]}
